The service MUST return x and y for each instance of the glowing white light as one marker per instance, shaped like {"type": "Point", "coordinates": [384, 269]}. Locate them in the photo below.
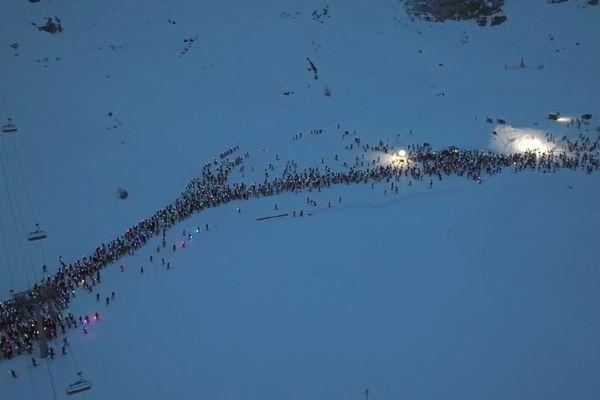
{"type": "Point", "coordinates": [563, 119]}
{"type": "Point", "coordinates": [508, 139]}
{"type": "Point", "coordinates": [393, 158]}
{"type": "Point", "coordinates": [529, 143]}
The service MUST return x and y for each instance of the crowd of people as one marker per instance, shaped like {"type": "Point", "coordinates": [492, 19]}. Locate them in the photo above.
{"type": "Point", "coordinates": [20, 326]}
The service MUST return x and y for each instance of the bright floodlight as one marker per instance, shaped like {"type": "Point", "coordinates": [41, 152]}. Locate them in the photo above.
{"type": "Point", "coordinates": [402, 153]}
{"type": "Point", "coordinates": [530, 143]}
{"type": "Point", "coordinates": [563, 119]}
{"type": "Point", "coordinates": [508, 139]}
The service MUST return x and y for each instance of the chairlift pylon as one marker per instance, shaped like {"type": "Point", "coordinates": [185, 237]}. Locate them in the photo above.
{"type": "Point", "coordinates": [37, 234]}
{"type": "Point", "coordinates": [10, 127]}
{"type": "Point", "coordinates": [81, 385]}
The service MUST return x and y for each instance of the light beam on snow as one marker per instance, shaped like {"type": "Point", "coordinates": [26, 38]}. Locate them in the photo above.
{"type": "Point", "coordinates": [508, 139]}
{"type": "Point", "coordinates": [401, 156]}
{"type": "Point", "coordinates": [529, 144]}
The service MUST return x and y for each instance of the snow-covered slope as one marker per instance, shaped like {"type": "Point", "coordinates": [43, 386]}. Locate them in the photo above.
{"type": "Point", "coordinates": [461, 291]}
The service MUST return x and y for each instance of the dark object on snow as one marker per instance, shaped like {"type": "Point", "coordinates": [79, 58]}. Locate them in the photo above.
{"type": "Point", "coordinates": [52, 25]}
{"type": "Point", "coordinates": [554, 116]}
{"type": "Point", "coordinates": [499, 19]}
{"type": "Point", "coordinates": [272, 216]}
{"type": "Point", "coordinates": [123, 194]}
{"type": "Point", "coordinates": [313, 68]}
{"type": "Point", "coordinates": [456, 10]}
{"type": "Point", "coordinates": [586, 116]}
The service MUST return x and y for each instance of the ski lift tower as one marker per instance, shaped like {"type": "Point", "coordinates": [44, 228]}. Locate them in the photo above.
{"type": "Point", "coordinates": [31, 303]}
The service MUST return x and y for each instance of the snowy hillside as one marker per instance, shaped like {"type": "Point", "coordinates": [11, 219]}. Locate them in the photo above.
{"type": "Point", "coordinates": [461, 290]}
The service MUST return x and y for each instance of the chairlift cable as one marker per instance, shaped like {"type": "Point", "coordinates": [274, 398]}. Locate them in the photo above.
{"type": "Point", "coordinates": [4, 102]}
{"type": "Point", "coordinates": [10, 273]}
{"type": "Point", "coordinates": [30, 380]}
{"type": "Point", "coordinates": [76, 367]}
{"type": "Point", "coordinates": [24, 180]}
{"type": "Point", "coordinates": [51, 379]}
{"type": "Point", "coordinates": [71, 350]}
{"type": "Point", "coordinates": [12, 209]}
{"type": "Point", "coordinates": [19, 213]}
{"type": "Point", "coordinates": [77, 370]}
{"type": "Point", "coordinates": [43, 254]}
{"type": "Point", "coordinates": [73, 359]}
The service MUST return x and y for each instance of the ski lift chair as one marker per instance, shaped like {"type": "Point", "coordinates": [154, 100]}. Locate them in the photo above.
{"type": "Point", "coordinates": [10, 127]}
{"type": "Point", "coordinates": [81, 385]}
{"type": "Point", "coordinates": [38, 234]}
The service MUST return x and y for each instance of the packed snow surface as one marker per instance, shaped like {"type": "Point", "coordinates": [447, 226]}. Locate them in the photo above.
{"type": "Point", "coordinates": [461, 290]}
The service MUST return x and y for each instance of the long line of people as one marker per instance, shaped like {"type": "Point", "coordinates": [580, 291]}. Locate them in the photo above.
{"type": "Point", "coordinates": [18, 327]}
